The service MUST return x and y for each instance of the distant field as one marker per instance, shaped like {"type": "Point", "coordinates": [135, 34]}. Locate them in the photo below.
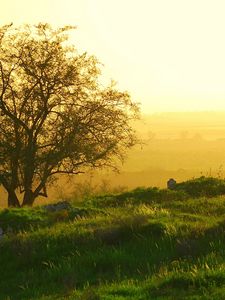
{"type": "Point", "coordinates": [177, 145]}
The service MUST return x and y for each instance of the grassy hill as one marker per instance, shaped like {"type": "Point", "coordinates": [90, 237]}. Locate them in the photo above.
{"type": "Point", "coordinates": [144, 244]}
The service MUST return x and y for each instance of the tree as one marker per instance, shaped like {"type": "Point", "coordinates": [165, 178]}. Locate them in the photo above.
{"type": "Point", "coordinates": [55, 115]}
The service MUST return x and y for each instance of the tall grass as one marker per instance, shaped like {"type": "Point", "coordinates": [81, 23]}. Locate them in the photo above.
{"type": "Point", "coordinates": [149, 244]}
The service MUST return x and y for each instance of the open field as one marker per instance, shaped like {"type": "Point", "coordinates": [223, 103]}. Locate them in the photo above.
{"type": "Point", "coordinates": [143, 244]}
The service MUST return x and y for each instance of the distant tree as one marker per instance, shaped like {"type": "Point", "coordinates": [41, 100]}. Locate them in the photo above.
{"type": "Point", "coordinates": [55, 116]}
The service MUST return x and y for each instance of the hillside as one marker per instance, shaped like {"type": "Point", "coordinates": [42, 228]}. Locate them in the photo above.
{"type": "Point", "coordinates": [145, 244]}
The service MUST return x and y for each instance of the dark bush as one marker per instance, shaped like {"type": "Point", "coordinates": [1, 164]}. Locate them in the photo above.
{"type": "Point", "coordinates": [21, 219]}
{"type": "Point", "coordinates": [202, 187]}
{"type": "Point", "coordinates": [139, 195]}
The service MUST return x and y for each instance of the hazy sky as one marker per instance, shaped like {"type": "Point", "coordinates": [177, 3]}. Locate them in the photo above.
{"type": "Point", "coordinates": [170, 54]}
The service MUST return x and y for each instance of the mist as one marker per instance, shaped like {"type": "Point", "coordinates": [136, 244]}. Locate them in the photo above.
{"type": "Point", "coordinates": [174, 145]}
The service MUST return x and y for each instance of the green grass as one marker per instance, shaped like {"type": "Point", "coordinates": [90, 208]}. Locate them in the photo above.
{"type": "Point", "coordinates": [144, 244]}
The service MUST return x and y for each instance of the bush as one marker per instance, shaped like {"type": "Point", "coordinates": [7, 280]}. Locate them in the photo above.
{"type": "Point", "coordinates": [202, 187]}
{"type": "Point", "coordinates": [21, 219]}
{"type": "Point", "coordinates": [137, 196]}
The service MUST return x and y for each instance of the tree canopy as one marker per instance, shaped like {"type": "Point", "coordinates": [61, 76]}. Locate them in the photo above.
{"type": "Point", "coordinates": [55, 115]}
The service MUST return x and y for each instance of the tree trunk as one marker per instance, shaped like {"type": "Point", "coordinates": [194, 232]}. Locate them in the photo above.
{"type": "Point", "coordinates": [13, 199]}
{"type": "Point", "coordinates": [28, 198]}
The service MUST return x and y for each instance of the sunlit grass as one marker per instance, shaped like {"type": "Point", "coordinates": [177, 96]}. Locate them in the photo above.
{"type": "Point", "coordinates": [145, 248]}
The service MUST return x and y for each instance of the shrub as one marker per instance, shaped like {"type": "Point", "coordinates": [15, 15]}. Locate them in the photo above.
{"type": "Point", "coordinates": [21, 219]}
{"type": "Point", "coordinates": [139, 195]}
{"type": "Point", "coordinates": [202, 187]}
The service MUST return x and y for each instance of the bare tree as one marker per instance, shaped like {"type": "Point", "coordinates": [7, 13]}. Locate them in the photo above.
{"type": "Point", "coordinates": [55, 116]}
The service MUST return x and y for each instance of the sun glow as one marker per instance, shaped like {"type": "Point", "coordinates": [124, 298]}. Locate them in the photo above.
{"type": "Point", "coordinates": [168, 54]}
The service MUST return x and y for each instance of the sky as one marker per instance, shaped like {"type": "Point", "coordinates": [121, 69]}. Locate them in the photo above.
{"type": "Point", "coordinates": [169, 54]}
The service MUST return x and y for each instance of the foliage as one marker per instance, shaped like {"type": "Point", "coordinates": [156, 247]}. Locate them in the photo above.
{"type": "Point", "coordinates": [202, 186]}
{"type": "Point", "coordinates": [14, 219]}
{"type": "Point", "coordinates": [55, 116]}
{"type": "Point", "coordinates": [138, 195]}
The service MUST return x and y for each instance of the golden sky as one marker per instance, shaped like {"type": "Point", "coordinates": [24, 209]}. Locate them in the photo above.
{"type": "Point", "coordinates": [170, 54]}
